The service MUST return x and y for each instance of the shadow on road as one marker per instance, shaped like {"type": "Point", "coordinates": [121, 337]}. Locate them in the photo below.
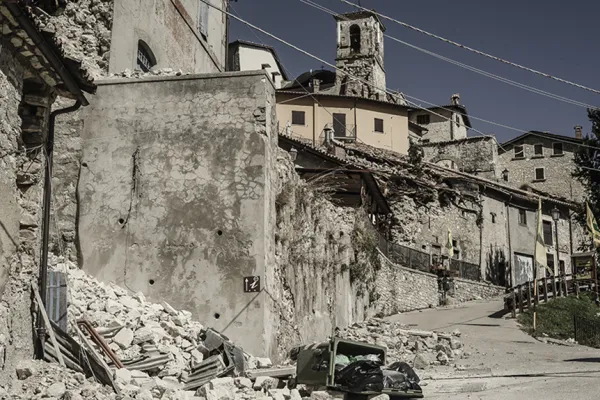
{"type": "Point", "coordinates": [498, 314]}
{"type": "Point", "coordinates": [587, 360]}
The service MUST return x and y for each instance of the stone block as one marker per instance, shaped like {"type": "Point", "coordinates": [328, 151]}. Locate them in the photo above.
{"type": "Point", "coordinates": [265, 382]}
{"type": "Point", "coordinates": [57, 390]}
{"type": "Point", "coordinates": [124, 338]}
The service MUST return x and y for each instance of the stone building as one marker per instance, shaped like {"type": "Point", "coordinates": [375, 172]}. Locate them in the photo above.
{"type": "Point", "coordinates": [443, 123]}
{"type": "Point", "coordinates": [542, 161]}
{"type": "Point", "coordinates": [476, 155]}
{"type": "Point", "coordinates": [33, 72]}
{"type": "Point", "coordinates": [493, 224]}
{"type": "Point", "coordinates": [248, 56]}
{"type": "Point", "coordinates": [360, 55]}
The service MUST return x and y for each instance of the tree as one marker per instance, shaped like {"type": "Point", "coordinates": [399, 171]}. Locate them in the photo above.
{"type": "Point", "coordinates": [415, 156]}
{"type": "Point", "coordinates": [587, 166]}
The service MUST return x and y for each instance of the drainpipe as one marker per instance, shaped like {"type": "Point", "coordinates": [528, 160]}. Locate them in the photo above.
{"type": "Point", "coordinates": [46, 220]}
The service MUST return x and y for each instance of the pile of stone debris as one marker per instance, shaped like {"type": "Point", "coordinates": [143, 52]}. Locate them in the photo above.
{"type": "Point", "coordinates": [421, 349]}
{"type": "Point", "coordinates": [141, 74]}
{"type": "Point", "coordinates": [167, 355]}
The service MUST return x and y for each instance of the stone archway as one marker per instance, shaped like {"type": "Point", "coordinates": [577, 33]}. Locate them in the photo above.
{"type": "Point", "coordinates": [447, 162]}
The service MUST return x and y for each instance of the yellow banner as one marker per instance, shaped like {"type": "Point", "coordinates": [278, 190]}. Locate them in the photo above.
{"type": "Point", "coordinates": [593, 226]}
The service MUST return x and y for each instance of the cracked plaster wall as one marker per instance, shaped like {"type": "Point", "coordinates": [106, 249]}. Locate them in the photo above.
{"type": "Point", "coordinates": [20, 213]}
{"type": "Point", "coordinates": [175, 195]}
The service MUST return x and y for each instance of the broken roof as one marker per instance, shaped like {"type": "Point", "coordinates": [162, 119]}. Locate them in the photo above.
{"type": "Point", "coordinates": [546, 135]}
{"type": "Point", "coordinates": [41, 51]}
{"type": "Point", "coordinates": [263, 47]}
{"type": "Point", "coordinates": [366, 175]}
{"type": "Point", "coordinates": [391, 158]}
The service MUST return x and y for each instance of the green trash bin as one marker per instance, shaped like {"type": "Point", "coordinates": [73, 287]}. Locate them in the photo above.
{"type": "Point", "coordinates": [316, 365]}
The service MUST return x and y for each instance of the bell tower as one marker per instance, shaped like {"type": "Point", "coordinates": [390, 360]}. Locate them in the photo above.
{"type": "Point", "coordinates": [360, 55]}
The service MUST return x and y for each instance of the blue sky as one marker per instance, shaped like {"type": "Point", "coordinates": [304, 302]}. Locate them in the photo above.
{"type": "Point", "coordinates": [552, 36]}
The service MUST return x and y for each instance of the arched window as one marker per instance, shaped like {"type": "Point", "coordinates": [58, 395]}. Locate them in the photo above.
{"type": "Point", "coordinates": [145, 57]}
{"type": "Point", "coordinates": [355, 38]}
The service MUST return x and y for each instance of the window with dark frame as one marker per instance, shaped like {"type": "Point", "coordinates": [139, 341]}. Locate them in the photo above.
{"type": "Point", "coordinates": [540, 174]}
{"type": "Point", "coordinates": [423, 119]}
{"type": "Point", "coordinates": [298, 117]}
{"type": "Point", "coordinates": [538, 149]}
{"type": "Point", "coordinates": [557, 149]}
{"type": "Point", "coordinates": [547, 228]}
{"type": "Point", "coordinates": [145, 58]}
{"type": "Point", "coordinates": [561, 266]}
{"type": "Point", "coordinates": [378, 125]}
{"type": "Point", "coordinates": [519, 153]}
{"type": "Point", "coordinates": [522, 217]}
{"type": "Point", "coordinates": [457, 120]}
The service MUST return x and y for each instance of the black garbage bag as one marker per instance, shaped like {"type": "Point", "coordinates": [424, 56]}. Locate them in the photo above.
{"type": "Point", "coordinates": [361, 376]}
{"type": "Point", "coordinates": [405, 369]}
{"type": "Point", "coordinates": [400, 375]}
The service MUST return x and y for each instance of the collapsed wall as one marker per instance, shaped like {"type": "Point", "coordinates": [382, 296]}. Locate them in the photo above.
{"type": "Point", "coordinates": [325, 262]}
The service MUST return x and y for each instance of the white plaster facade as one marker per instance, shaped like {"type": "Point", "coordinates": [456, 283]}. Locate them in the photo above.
{"type": "Point", "coordinates": [248, 56]}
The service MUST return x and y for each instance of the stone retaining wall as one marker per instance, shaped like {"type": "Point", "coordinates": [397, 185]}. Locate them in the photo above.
{"type": "Point", "coordinates": [400, 289]}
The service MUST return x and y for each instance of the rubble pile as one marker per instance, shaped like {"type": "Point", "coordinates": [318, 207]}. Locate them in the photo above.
{"type": "Point", "coordinates": [165, 353]}
{"type": "Point", "coordinates": [421, 349]}
{"type": "Point", "coordinates": [38, 379]}
{"type": "Point", "coordinates": [153, 72]}
{"type": "Point", "coordinates": [84, 30]}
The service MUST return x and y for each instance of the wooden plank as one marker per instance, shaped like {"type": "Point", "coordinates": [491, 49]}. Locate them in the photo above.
{"type": "Point", "coordinates": [554, 293]}
{"type": "Point", "coordinates": [528, 288]}
{"type": "Point", "coordinates": [49, 329]}
{"type": "Point", "coordinates": [545, 289]}
{"type": "Point", "coordinates": [89, 346]}
{"type": "Point", "coordinates": [272, 372]}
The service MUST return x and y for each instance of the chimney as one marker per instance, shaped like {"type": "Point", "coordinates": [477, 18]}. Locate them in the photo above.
{"type": "Point", "coordinates": [578, 132]}
{"type": "Point", "coordinates": [316, 85]}
{"type": "Point", "coordinates": [455, 99]}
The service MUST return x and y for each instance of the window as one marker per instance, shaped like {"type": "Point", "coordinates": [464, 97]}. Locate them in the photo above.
{"type": "Point", "coordinates": [547, 228]}
{"type": "Point", "coordinates": [145, 57]}
{"type": "Point", "coordinates": [457, 120]}
{"type": "Point", "coordinates": [522, 217]}
{"type": "Point", "coordinates": [203, 19]}
{"type": "Point", "coordinates": [557, 149]}
{"type": "Point", "coordinates": [550, 261]}
{"type": "Point", "coordinates": [538, 150]}
{"type": "Point", "coordinates": [297, 117]}
{"type": "Point", "coordinates": [423, 119]}
{"type": "Point", "coordinates": [355, 38]}
{"type": "Point", "coordinates": [339, 125]}
{"type": "Point", "coordinates": [493, 218]}
{"type": "Point", "coordinates": [561, 265]}
{"type": "Point", "coordinates": [378, 125]}
{"type": "Point", "coordinates": [519, 152]}
{"type": "Point", "coordinates": [540, 174]}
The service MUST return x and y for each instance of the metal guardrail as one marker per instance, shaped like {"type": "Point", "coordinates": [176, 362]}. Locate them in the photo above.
{"type": "Point", "coordinates": [587, 331]}
{"type": "Point", "coordinates": [421, 261]}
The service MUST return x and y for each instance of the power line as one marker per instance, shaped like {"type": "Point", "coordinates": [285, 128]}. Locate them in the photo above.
{"type": "Point", "coordinates": [369, 84]}
{"type": "Point", "coordinates": [481, 53]}
{"type": "Point", "coordinates": [466, 66]}
{"type": "Point", "coordinates": [386, 90]}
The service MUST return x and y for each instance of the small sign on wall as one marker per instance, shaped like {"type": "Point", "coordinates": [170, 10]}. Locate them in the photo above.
{"type": "Point", "coordinates": [251, 284]}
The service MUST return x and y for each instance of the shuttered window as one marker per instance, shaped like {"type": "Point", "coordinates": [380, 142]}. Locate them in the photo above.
{"type": "Point", "coordinates": [203, 19]}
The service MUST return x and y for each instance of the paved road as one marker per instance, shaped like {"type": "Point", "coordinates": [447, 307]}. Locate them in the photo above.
{"type": "Point", "coordinates": [505, 362]}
